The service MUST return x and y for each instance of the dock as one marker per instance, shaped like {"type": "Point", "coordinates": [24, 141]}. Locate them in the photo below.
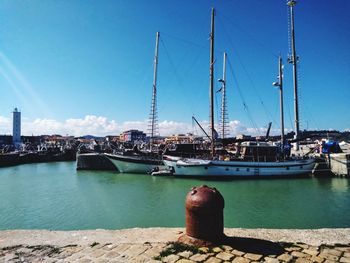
{"type": "Point", "coordinates": [340, 164]}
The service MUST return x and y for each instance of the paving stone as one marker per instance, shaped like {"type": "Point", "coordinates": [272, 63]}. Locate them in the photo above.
{"type": "Point", "coordinates": [109, 247]}
{"type": "Point", "coordinates": [332, 252]}
{"type": "Point", "coordinates": [285, 257]}
{"type": "Point", "coordinates": [227, 248]}
{"type": "Point", "coordinates": [185, 260]}
{"type": "Point", "coordinates": [170, 258]}
{"type": "Point", "coordinates": [199, 257]}
{"type": "Point", "coordinates": [272, 256]}
{"type": "Point", "coordinates": [251, 256]}
{"type": "Point", "coordinates": [271, 260]}
{"type": "Point", "coordinates": [133, 251]}
{"type": "Point", "coordinates": [84, 260]}
{"type": "Point", "coordinates": [112, 254]}
{"type": "Point", "coordinates": [329, 261]}
{"type": "Point", "coordinates": [344, 249]}
{"type": "Point", "coordinates": [98, 246]}
{"type": "Point", "coordinates": [299, 254]}
{"type": "Point", "coordinates": [302, 260]}
{"type": "Point", "coordinates": [304, 246]}
{"type": "Point", "coordinates": [294, 248]}
{"type": "Point", "coordinates": [225, 256]}
{"type": "Point", "coordinates": [240, 260]}
{"type": "Point", "coordinates": [328, 256]}
{"type": "Point", "coordinates": [153, 252]}
{"type": "Point", "coordinates": [121, 248]}
{"type": "Point", "coordinates": [344, 260]}
{"type": "Point", "coordinates": [311, 252]}
{"type": "Point", "coordinates": [213, 260]}
{"type": "Point", "coordinates": [346, 254]}
{"type": "Point", "coordinates": [139, 259]}
{"type": "Point", "coordinates": [185, 254]}
{"type": "Point", "coordinates": [204, 249]}
{"type": "Point", "coordinates": [97, 253]}
{"type": "Point", "coordinates": [317, 259]}
{"type": "Point", "coordinates": [237, 252]}
{"type": "Point", "coordinates": [216, 249]}
{"type": "Point", "coordinates": [75, 257]}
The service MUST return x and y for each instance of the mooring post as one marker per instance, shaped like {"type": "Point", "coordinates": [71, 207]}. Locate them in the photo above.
{"type": "Point", "coordinates": [204, 216]}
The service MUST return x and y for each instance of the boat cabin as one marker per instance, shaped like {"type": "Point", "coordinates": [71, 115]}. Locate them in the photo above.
{"type": "Point", "coordinates": [259, 152]}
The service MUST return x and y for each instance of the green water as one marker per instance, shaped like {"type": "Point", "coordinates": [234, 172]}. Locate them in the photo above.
{"type": "Point", "coordinates": [56, 196]}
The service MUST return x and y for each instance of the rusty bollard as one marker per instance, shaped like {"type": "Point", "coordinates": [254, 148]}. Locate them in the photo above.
{"type": "Point", "coordinates": [204, 216]}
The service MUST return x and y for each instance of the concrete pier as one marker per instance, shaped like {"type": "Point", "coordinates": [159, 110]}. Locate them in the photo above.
{"type": "Point", "coordinates": [340, 164]}
{"type": "Point", "coordinates": [159, 245]}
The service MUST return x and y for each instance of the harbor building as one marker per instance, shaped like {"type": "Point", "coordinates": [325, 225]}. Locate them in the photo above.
{"type": "Point", "coordinates": [16, 128]}
{"type": "Point", "coordinates": [132, 136]}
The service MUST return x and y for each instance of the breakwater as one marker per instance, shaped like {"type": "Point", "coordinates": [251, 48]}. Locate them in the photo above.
{"type": "Point", "coordinates": [54, 155]}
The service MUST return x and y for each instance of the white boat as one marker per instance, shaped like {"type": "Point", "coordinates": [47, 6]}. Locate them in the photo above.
{"type": "Point", "coordinates": [259, 159]}
{"type": "Point", "coordinates": [141, 162]}
{"type": "Point", "coordinates": [219, 168]}
{"type": "Point", "coordinates": [135, 164]}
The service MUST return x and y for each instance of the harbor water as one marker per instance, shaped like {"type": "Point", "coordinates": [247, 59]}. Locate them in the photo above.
{"type": "Point", "coordinates": [56, 196]}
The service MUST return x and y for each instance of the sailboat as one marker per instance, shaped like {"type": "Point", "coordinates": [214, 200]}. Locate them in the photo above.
{"type": "Point", "coordinates": [262, 159]}
{"type": "Point", "coordinates": [136, 161]}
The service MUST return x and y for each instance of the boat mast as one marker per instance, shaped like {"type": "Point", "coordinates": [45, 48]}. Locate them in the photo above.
{"type": "Point", "coordinates": [294, 60]}
{"type": "Point", "coordinates": [279, 84]}
{"type": "Point", "coordinates": [153, 115]}
{"type": "Point", "coordinates": [211, 88]}
{"type": "Point", "coordinates": [223, 100]}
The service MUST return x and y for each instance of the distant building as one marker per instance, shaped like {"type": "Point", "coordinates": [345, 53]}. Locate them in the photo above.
{"type": "Point", "coordinates": [132, 135]}
{"type": "Point", "coordinates": [180, 138]}
{"type": "Point", "coordinates": [16, 129]}
{"type": "Point", "coordinates": [243, 137]}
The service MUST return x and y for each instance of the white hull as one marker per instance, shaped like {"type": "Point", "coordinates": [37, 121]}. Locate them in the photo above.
{"type": "Point", "coordinates": [134, 164]}
{"type": "Point", "coordinates": [207, 168]}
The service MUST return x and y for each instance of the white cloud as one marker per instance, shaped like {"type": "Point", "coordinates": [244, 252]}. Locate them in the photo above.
{"type": "Point", "coordinates": [101, 126]}
{"type": "Point", "coordinates": [5, 125]}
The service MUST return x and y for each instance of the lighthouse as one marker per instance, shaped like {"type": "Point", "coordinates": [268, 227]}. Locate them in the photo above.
{"type": "Point", "coordinates": [16, 130]}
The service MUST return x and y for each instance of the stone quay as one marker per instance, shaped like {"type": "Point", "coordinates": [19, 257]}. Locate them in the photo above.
{"type": "Point", "coordinates": [160, 245]}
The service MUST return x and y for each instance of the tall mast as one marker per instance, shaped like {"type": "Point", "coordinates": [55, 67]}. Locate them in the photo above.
{"type": "Point", "coordinates": [153, 115]}
{"type": "Point", "coordinates": [223, 100]}
{"type": "Point", "coordinates": [294, 60]}
{"type": "Point", "coordinates": [211, 88]}
{"type": "Point", "coordinates": [279, 84]}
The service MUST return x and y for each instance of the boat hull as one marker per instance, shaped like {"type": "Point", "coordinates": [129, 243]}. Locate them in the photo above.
{"type": "Point", "coordinates": [202, 168]}
{"type": "Point", "coordinates": [126, 164]}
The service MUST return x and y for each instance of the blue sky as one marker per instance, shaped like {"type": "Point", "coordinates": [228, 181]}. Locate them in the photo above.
{"type": "Point", "coordinates": [87, 66]}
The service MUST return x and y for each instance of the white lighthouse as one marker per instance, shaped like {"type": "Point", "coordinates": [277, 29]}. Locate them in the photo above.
{"type": "Point", "coordinates": [16, 131]}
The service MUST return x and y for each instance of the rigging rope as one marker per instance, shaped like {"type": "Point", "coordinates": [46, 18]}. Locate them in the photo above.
{"type": "Point", "coordinates": [267, 112]}
{"type": "Point", "coordinates": [245, 106]}
{"type": "Point", "coordinates": [259, 43]}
